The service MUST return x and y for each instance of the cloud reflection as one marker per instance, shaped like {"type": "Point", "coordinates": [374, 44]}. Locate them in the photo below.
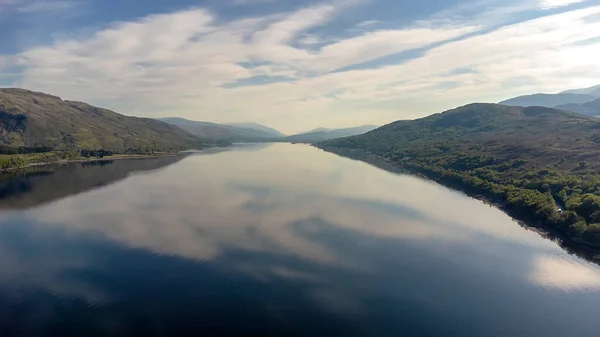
{"type": "Point", "coordinates": [558, 272]}
{"type": "Point", "coordinates": [365, 245]}
{"type": "Point", "coordinates": [278, 201]}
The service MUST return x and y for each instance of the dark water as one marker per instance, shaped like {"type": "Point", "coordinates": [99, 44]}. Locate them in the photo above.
{"type": "Point", "coordinates": [281, 240]}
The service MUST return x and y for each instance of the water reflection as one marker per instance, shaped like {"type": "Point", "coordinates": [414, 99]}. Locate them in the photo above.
{"type": "Point", "coordinates": [38, 185]}
{"type": "Point", "coordinates": [285, 240]}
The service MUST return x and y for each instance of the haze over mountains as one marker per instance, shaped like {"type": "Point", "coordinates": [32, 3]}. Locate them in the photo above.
{"type": "Point", "coordinates": [258, 127]}
{"type": "Point", "coordinates": [249, 132]}
{"type": "Point", "coordinates": [322, 134]}
{"type": "Point", "coordinates": [224, 132]}
{"type": "Point", "coordinates": [576, 100]}
{"type": "Point", "coordinates": [32, 119]}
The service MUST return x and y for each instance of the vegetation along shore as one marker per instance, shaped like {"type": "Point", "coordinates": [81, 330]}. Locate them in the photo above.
{"type": "Point", "coordinates": [540, 164]}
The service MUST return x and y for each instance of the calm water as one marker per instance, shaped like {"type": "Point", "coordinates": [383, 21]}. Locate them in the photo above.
{"type": "Point", "coordinates": [281, 240]}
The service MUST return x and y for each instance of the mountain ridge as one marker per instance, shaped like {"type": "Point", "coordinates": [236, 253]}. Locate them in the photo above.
{"type": "Point", "coordinates": [594, 91]}
{"type": "Point", "coordinates": [571, 96]}
{"type": "Point", "coordinates": [32, 119]}
{"type": "Point", "coordinates": [548, 100]}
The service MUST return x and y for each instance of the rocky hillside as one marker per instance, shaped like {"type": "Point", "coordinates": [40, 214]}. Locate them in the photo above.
{"type": "Point", "coordinates": [33, 119]}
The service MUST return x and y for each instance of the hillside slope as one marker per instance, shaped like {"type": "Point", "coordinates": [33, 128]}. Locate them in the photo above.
{"type": "Point", "coordinates": [322, 134]}
{"type": "Point", "coordinates": [36, 119]}
{"type": "Point", "coordinates": [533, 161]}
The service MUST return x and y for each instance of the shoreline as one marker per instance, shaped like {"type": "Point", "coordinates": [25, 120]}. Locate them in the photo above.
{"type": "Point", "coordinates": [91, 160]}
{"type": "Point", "coordinates": [575, 245]}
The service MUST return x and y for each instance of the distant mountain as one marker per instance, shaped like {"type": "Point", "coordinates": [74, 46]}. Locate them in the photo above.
{"type": "Point", "coordinates": [223, 132]}
{"type": "Point", "coordinates": [265, 130]}
{"type": "Point", "coordinates": [318, 136]}
{"type": "Point", "coordinates": [29, 119]}
{"type": "Point", "coordinates": [549, 100]}
{"type": "Point", "coordinates": [589, 108]}
{"type": "Point", "coordinates": [203, 129]}
{"type": "Point", "coordinates": [594, 91]}
{"type": "Point", "coordinates": [317, 130]}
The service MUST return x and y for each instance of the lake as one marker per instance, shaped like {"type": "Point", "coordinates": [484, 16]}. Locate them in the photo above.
{"type": "Point", "coordinates": [274, 240]}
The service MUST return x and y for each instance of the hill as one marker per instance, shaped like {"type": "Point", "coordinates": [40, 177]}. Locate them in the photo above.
{"type": "Point", "coordinates": [322, 134]}
{"type": "Point", "coordinates": [223, 132]}
{"type": "Point", "coordinates": [33, 119]}
{"type": "Point", "coordinates": [549, 100]}
{"type": "Point", "coordinates": [540, 164]}
{"type": "Point", "coordinates": [589, 108]}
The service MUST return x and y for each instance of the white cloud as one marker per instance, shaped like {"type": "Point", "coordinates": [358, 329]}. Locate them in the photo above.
{"type": "Point", "coordinates": [177, 64]}
{"type": "Point", "coordinates": [36, 6]}
{"type": "Point", "coordinates": [310, 40]}
{"type": "Point", "coordinates": [377, 44]}
{"type": "Point", "coordinates": [368, 23]}
{"type": "Point", "coordinates": [250, 2]}
{"type": "Point", "coordinates": [46, 6]}
{"type": "Point", "coordinates": [558, 3]}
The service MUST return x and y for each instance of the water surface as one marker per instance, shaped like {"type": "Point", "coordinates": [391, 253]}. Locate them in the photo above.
{"type": "Point", "coordinates": [274, 240]}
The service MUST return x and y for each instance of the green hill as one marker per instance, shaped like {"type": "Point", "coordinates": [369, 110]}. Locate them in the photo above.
{"type": "Point", "coordinates": [539, 163]}
{"type": "Point", "coordinates": [33, 119]}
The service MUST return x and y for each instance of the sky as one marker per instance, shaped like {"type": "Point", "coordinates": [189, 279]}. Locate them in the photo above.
{"type": "Point", "coordinates": [297, 65]}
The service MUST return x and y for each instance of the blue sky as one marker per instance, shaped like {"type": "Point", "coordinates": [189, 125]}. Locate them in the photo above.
{"type": "Point", "coordinates": [297, 65]}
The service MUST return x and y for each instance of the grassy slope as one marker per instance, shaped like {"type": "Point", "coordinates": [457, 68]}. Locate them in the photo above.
{"type": "Point", "coordinates": [532, 160]}
{"type": "Point", "coordinates": [36, 119]}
